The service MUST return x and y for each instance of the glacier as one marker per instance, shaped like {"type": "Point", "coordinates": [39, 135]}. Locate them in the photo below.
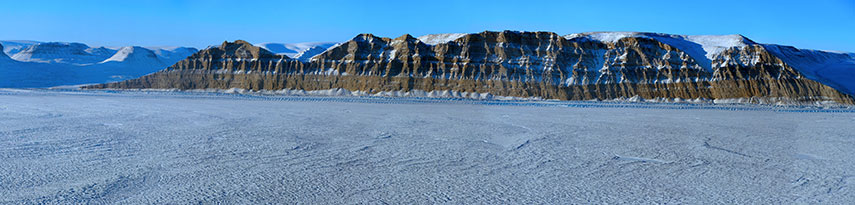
{"type": "Point", "coordinates": [145, 147]}
{"type": "Point", "coordinates": [433, 39]}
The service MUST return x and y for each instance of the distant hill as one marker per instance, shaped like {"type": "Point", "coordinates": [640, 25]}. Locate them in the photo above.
{"type": "Point", "coordinates": [47, 64]}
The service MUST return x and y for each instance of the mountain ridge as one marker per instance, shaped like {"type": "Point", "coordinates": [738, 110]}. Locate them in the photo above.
{"type": "Point", "coordinates": [520, 64]}
{"type": "Point", "coordinates": [46, 64]}
{"type": "Point", "coordinates": [60, 52]}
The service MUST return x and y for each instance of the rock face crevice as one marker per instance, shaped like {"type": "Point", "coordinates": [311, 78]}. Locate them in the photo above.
{"type": "Point", "coordinates": [509, 63]}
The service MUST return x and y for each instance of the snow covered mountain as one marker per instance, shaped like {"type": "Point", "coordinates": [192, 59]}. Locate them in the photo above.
{"type": "Point", "coordinates": [135, 55]}
{"type": "Point", "coordinates": [835, 69]}
{"type": "Point", "coordinates": [301, 51]}
{"type": "Point", "coordinates": [11, 47]}
{"type": "Point", "coordinates": [65, 53]}
{"type": "Point", "coordinates": [171, 55]}
{"type": "Point", "coordinates": [584, 66]}
{"type": "Point", "coordinates": [57, 63]}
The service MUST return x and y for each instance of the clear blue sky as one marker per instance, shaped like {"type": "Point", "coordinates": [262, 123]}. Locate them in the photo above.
{"type": "Point", "coordinates": [817, 24]}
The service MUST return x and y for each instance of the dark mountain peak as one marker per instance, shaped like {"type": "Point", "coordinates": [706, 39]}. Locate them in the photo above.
{"type": "Point", "coordinates": [239, 49]}
{"type": "Point", "coordinates": [238, 43]}
{"type": "Point", "coordinates": [367, 37]}
{"type": "Point", "coordinates": [406, 37]}
{"type": "Point", "coordinates": [746, 40]}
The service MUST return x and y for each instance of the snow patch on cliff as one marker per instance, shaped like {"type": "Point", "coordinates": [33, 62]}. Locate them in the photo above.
{"type": "Point", "coordinates": [433, 39]}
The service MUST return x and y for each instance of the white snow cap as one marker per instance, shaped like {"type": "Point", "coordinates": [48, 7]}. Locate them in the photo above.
{"type": "Point", "coordinates": [433, 39]}
{"type": "Point", "coordinates": [133, 54]}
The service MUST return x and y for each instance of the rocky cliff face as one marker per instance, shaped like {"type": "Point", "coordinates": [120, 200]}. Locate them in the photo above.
{"type": "Point", "coordinates": [524, 64]}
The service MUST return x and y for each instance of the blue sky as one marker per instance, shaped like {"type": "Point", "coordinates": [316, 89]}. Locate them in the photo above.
{"type": "Point", "coordinates": [819, 24]}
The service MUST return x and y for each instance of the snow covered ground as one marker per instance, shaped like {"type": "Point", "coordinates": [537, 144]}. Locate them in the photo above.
{"type": "Point", "coordinates": [180, 147]}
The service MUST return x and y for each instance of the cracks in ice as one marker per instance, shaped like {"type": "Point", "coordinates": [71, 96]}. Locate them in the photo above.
{"type": "Point", "coordinates": [839, 184]}
{"type": "Point", "coordinates": [383, 135]}
{"type": "Point", "coordinates": [640, 159]}
{"type": "Point", "coordinates": [801, 181]}
{"type": "Point", "coordinates": [707, 145]}
{"type": "Point", "coordinates": [806, 156]}
{"type": "Point", "coordinates": [698, 163]}
{"type": "Point", "coordinates": [522, 145]}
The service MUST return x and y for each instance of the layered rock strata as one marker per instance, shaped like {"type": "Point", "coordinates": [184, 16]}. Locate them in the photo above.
{"type": "Point", "coordinates": [509, 63]}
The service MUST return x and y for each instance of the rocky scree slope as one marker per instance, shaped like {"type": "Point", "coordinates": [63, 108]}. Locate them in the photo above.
{"type": "Point", "coordinates": [523, 64]}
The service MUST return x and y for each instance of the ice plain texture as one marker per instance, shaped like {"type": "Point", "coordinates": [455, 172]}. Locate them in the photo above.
{"type": "Point", "coordinates": [175, 147]}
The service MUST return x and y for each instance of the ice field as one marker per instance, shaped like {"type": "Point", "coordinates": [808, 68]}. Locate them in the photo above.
{"type": "Point", "coordinates": [174, 147]}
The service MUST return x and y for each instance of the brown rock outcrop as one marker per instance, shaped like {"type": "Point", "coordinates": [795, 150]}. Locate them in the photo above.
{"type": "Point", "coordinates": [523, 64]}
